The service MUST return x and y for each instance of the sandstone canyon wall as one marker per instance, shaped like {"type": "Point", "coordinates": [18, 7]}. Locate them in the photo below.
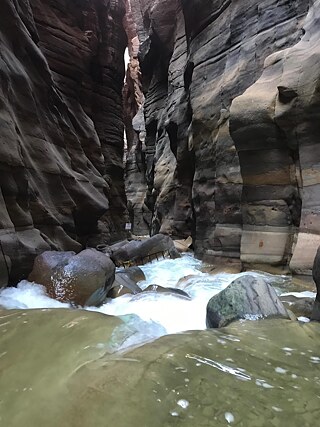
{"type": "Point", "coordinates": [221, 108]}
{"type": "Point", "coordinates": [231, 119]}
{"type": "Point", "coordinates": [61, 127]}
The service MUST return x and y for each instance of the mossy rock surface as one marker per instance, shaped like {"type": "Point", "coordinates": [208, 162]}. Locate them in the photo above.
{"type": "Point", "coordinates": [246, 298]}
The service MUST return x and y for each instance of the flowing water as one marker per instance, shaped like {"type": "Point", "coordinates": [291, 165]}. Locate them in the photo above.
{"type": "Point", "coordinates": [63, 367]}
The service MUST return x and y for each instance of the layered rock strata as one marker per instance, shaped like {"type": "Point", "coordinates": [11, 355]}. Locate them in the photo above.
{"type": "Point", "coordinates": [231, 115]}
{"type": "Point", "coordinates": [275, 125]}
{"type": "Point", "coordinates": [61, 133]}
{"type": "Point", "coordinates": [167, 164]}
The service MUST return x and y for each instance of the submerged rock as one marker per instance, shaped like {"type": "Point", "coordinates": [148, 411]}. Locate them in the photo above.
{"type": "Point", "coordinates": [165, 290]}
{"type": "Point", "coordinates": [246, 297]}
{"type": "Point", "coordinates": [135, 273]}
{"type": "Point", "coordinates": [122, 285]}
{"type": "Point", "coordinates": [73, 278]}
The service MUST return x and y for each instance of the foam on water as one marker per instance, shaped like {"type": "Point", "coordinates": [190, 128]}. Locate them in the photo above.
{"type": "Point", "coordinates": [304, 294]}
{"type": "Point", "coordinates": [163, 312]}
{"type": "Point", "coordinates": [28, 295]}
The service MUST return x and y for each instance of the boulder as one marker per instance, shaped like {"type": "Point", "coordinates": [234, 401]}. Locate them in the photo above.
{"type": "Point", "coordinates": [316, 277]}
{"type": "Point", "coordinates": [141, 251]}
{"type": "Point", "coordinates": [46, 264]}
{"type": "Point", "coordinates": [73, 278]}
{"type": "Point", "coordinates": [247, 297]}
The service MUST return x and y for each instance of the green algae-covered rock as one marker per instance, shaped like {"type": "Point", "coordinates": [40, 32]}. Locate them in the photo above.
{"type": "Point", "coordinates": [246, 297]}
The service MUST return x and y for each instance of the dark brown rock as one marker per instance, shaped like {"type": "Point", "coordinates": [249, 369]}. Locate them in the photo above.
{"type": "Point", "coordinates": [73, 278]}
{"type": "Point", "coordinates": [142, 251]}
{"type": "Point", "coordinates": [61, 132]}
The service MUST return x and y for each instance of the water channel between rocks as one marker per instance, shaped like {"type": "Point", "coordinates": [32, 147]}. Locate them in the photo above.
{"type": "Point", "coordinates": [65, 367]}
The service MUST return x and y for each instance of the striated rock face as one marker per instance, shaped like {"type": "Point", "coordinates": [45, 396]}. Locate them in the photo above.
{"type": "Point", "coordinates": [232, 115]}
{"type": "Point", "coordinates": [61, 127]}
{"type": "Point", "coordinates": [229, 42]}
{"type": "Point", "coordinates": [275, 125]}
{"type": "Point", "coordinates": [221, 109]}
{"type": "Point", "coordinates": [163, 157]}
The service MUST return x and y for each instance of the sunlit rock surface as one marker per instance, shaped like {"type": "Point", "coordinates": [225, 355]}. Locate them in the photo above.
{"type": "Point", "coordinates": [254, 373]}
{"type": "Point", "coordinates": [61, 132]}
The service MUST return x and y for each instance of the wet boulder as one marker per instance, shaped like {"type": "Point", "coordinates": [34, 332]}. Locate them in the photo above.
{"type": "Point", "coordinates": [141, 251]}
{"type": "Point", "coordinates": [316, 277]}
{"type": "Point", "coordinates": [48, 263]}
{"type": "Point", "coordinates": [74, 278]}
{"type": "Point", "coordinates": [247, 297]}
{"type": "Point", "coordinates": [123, 284]}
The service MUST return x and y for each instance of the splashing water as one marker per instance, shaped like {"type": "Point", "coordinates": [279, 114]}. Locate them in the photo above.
{"type": "Point", "coordinates": [160, 313]}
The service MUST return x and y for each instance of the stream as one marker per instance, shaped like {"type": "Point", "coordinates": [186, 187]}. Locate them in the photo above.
{"type": "Point", "coordinates": [138, 367]}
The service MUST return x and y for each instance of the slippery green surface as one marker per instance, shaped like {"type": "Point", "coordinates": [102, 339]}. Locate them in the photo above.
{"type": "Point", "coordinates": [60, 368]}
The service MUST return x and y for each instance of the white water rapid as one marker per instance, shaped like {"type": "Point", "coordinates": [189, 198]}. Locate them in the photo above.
{"type": "Point", "coordinates": [158, 313]}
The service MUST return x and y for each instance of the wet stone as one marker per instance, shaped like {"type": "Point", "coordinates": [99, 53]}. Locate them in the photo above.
{"type": "Point", "coordinates": [247, 297]}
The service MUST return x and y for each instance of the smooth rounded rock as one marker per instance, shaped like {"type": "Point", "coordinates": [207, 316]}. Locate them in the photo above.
{"type": "Point", "coordinates": [73, 278]}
